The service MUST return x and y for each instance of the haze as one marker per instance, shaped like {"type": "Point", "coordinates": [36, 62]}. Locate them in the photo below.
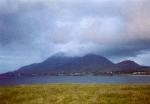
{"type": "Point", "coordinates": [33, 30]}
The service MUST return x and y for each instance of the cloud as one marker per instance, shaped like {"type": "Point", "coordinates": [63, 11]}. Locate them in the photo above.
{"type": "Point", "coordinates": [137, 19]}
{"type": "Point", "coordinates": [142, 58]}
{"type": "Point", "coordinates": [40, 28]}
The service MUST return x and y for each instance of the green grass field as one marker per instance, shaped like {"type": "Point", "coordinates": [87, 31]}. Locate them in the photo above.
{"type": "Point", "coordinates": [76, 94]}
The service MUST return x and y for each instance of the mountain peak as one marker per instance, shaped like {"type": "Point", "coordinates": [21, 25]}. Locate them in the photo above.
{"type": "Point", "coordinates": [90, 55]}
{"type": "Point", "coordinates": [59, 54]}
{"type": "Point", "coordinates": [128, 65]}
{"type": "Point", "coordinates": [126, 62]}
{"type": "Point", "coordinates": [60, 63]}
{"type": "Point", "coordinates": [94, 55]}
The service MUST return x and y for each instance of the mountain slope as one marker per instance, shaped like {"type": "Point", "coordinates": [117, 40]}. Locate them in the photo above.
{"type": "Point", "coordinates": [46, 66]}
{"type": "Point", "coordinates": [127, 65]}
{"type": "Point", "coordinates": [90, 63]}
{"type": "Point", "coordinates": [58, 64]}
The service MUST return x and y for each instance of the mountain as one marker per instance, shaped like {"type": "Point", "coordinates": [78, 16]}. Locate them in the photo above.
{"type": "Point", "coordinates": [130, 66]}
{"type": "Point", "coordinates": [47, 66]}
{"type": "Point", "coordinates": [57, 64]}
{"type": "Point", "coordinates": [90, 63]}
{"type": "Point", "coordinates": [127, 65]}
{"type": "Point", "coordinates": [87, 63]}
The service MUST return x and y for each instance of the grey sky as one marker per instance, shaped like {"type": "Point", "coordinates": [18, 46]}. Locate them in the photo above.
{"type": "Point", "coordinates": [32, 30]}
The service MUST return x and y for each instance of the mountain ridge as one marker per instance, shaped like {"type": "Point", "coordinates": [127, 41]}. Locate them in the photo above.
{"type": "Point", "coordinates": [89, 63]}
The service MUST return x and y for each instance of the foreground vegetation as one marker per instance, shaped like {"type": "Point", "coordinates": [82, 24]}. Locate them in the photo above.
{"type": "Point", "coordinates": [76, 94]}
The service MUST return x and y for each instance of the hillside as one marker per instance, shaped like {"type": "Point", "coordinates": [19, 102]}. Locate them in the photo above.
{"type": "Point", "coordinates": [88, 64]}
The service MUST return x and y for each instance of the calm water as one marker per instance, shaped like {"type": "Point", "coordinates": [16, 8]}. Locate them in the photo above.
{"type": "Point", "coordinates": [74, 79]}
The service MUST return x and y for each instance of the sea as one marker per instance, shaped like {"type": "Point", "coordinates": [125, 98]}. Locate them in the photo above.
{"type": "Point", "coordinates": [127, 79]}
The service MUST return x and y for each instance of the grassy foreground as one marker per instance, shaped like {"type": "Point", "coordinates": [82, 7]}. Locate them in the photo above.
{"type": "Point", "coordinates": [76, 94]}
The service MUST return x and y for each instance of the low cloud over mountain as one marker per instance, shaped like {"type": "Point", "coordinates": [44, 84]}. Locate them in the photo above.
{"type": "Point", "coordinates": [118, 29]}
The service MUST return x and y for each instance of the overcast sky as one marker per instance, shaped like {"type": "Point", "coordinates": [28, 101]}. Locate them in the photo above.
{"type": "Point", "coordinates": [33, 30]}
